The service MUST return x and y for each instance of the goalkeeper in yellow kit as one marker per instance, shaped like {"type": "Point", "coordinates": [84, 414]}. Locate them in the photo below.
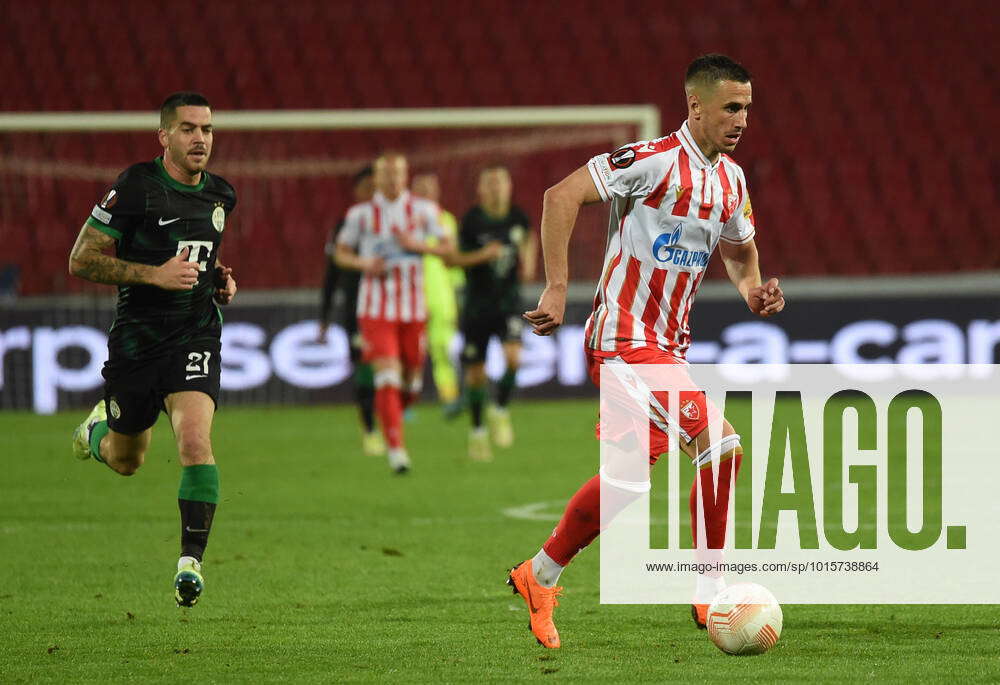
{"type": "Point", "coordinates": [440, 286]}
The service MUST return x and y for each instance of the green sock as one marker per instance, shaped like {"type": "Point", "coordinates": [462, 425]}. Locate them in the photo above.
{"type": "Point", "coordinates": [97, 433]}
{"type": "Point", "coordinates": [197, 499]}
{"type": "Point", "coordinates": [505, 387]}
{"type": "Point", "coordinates": [477, 398]}
{"type": "Point", "coordinates": [364, 375]}
{"type": "Point", "coordinates": [200, 483]}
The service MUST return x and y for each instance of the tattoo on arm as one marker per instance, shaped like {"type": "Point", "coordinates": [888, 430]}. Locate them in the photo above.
{"type": "Point", "coordinates": [88, 261]}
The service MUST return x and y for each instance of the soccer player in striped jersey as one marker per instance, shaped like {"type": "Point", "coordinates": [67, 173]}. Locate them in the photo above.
{"type": "Point", "coordinates": [385, 239]}
{"type": "Point", "coordinates": [348, 283]}
{"type": "Point", "coordinates": [673, 200]}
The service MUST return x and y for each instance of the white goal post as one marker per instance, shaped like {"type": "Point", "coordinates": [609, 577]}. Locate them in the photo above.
{"type": "Point", "coordinates": [645, 117]}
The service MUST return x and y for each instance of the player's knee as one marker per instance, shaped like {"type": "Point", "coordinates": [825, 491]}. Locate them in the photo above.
{"type": "Point", "coordinates": [124, 454]}
{"type": "Point", "coordinates": [127, 463]}
{"type": "Point", "coordinates": [617, 493]}
{"type": "Point", "coordinates": [194, 449]}
{"type": "Point", "coordinates": [475, 375]}
{"type": "Point", "coordinates": [629, 487]}
{"type": "Point", "coordinates": [388, 377]}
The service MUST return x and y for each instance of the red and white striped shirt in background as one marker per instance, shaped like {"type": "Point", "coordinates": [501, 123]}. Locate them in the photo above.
{"type": "Point", "coordinates": [371, 228]}
{"type": "Point", "coordinates": [669, 209]}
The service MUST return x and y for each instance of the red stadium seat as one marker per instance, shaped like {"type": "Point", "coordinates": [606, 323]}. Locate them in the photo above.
{"type": "Point", "coordinates": [850, 145]}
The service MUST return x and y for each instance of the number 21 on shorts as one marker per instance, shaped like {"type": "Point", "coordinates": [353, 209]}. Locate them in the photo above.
{"type": "Point", "coordinates": [197, 365]}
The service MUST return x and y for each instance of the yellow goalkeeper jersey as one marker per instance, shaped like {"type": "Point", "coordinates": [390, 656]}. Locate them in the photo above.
{"type": "Point", "coordinates": [440, 282]}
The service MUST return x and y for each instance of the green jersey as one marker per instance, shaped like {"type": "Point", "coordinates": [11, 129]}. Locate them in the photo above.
{"type": "Point", "coordinates": [495, 285]}
{"type": "Point", "coordinates": [153, 218]}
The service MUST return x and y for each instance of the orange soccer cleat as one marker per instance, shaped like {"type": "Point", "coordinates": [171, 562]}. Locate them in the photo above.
{"type": "Point", "coordinates": [540, 600]}
{"type": "Point", "coordinates": [699, 614]}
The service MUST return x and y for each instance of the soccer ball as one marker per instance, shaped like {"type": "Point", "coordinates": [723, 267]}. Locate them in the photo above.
{"type": "Point", "coordinates": [744, 619]}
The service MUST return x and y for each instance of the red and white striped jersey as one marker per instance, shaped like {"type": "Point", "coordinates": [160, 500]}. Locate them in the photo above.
{"type": "Point", "coordinates": [371, 228]}
{"type": "Point", "coordinates": [669, 210]}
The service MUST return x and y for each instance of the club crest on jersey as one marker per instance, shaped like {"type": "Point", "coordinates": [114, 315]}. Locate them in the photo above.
{"type": "Point", "coordinates": [114, 409]}
{"type": "Point", "coordinates": [219, 218]}
{"type": "Point", "coordinates": [109, 200]}
{"type": "Point", "coordinates": [622, 158]}
{"type": "Point", "coordinates": [730, 203]}
{"type": "Point", "coordinates": [690, 410]}
{"type": "Point", "coordinates": [517, 235]}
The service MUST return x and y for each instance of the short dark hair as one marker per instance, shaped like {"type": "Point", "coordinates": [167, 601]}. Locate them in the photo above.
{"type": "Point", "coordinates": [365, 172]}
{"type": "Point", "coordinates": [707, 70]}
{"type": "Point", "coordinates": [183, 98]}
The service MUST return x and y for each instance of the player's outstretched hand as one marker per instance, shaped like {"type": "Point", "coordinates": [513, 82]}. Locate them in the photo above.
{"type": "Point", "coordinates": [225, 284]}
{"type": "Point", "coordinates": [767, 299]}
{"type": "Point", "coordinates": [177, 273]}
{"type": "Point", "coordinates": [548, 316]}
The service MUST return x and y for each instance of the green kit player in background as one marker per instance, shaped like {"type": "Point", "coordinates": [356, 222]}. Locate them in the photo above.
{"type": "Point", "coordinates": [497, 250]}
{"type": "Point", "coordinates": [165, 219]}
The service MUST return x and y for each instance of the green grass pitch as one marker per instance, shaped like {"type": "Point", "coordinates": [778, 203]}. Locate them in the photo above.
{"type": "Point", "coordinates": [323, 567]}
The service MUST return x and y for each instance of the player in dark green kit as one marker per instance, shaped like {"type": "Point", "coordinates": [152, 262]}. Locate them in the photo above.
{"type": "Point", "coordinates": [165, 219]}
{"type": "Point", "coordinates": [497, 252]}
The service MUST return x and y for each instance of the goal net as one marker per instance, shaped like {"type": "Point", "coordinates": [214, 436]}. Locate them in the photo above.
{"type": "Point", "coordinates": [292, 171]}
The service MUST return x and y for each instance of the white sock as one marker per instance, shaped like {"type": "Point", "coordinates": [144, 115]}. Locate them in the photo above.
{"type": "Point", "coordinates": [545, 569]}
{"type": "Point", "coordinates": [184, 561]}
{"type": "Point", "coordinates": [707, 587]}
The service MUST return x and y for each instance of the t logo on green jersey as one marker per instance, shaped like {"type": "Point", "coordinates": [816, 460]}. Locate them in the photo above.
{"type": "Point", "coordinates": [195, 254]}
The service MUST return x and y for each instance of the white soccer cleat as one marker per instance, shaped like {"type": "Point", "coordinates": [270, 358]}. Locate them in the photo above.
{"type": "Point", "coordinates": [372, 444]}
{"type": "Point", "coordinates": [188, 583]}
{"type": "Point", "coordinates": [81, 436]}
{"type": "Point", "coordinates": [399, 460]}
{"type": "Point", "coordinates": [501, 429]}
{"type": "Point", "coordinates": [479, 445]}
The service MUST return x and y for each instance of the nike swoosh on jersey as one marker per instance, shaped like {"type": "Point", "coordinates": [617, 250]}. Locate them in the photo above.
{"type": "Point", "coordinates": [202, 375]}
{"type": "Point", "coordinates": [161, 222]}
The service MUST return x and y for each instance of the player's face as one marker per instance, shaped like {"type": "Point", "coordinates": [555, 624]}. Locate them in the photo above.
{"type": "Point", "coordinates": [495, 187]}
{"type": "Point", "coordinates": [724, 114]}
{"type": "Point", "coordinates": [391, 175]}
{"type": "Point", "coordinates": [188, 141]}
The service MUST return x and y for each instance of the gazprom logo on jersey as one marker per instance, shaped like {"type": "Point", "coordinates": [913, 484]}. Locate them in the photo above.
{"type": "Point", "coordinates": [665, 250]}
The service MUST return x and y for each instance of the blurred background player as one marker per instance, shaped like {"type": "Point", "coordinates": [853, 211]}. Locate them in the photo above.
{"type": "Point", "coordinates": [385, 239]}
{"type": "Point", "coordinates": [441, 284]}
{"type": "Point", "coordinates": [497, 251]}
{"type": "Point", "coordinates": [348, 282]}
{"type": "Point", "coordinates": [677, 197]}
{"type": "Point", "coordinates": [165, 219]}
